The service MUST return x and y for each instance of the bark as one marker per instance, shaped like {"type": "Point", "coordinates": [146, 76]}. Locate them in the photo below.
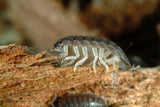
{"type": "Point", "coordinates": [27, 82]}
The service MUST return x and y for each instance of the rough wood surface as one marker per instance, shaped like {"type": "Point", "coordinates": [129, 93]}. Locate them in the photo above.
{"type": "Point", "coordinates": [24, 82]}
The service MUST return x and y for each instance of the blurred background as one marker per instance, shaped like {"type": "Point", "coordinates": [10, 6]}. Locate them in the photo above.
{"type": "Point", "coordinates": [132, 24]}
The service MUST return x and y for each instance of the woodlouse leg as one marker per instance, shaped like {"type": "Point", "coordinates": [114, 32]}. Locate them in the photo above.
{"type": "Point", "coordinates": [64, 53]}
{"type": "Point", "coordinates": [101, 60]}
{"type": "Point", "coordinates": [99, 63]}
{"type": "Point", "coordinates": [118, 78]}
{"type": "Point", "coordinates": [114, 64]}
{"type": "Point", "coordinates": [112, 79]}
{"type": "Point", "coordinates": [65, 49]}
{"type": "Point", "coordinates": [95, 53]}
{"type": "Point", "coordinates": [75, 48]}
{"type": "Point", "coordinates": [52, 103]}
{"type": "Point", "coordinates": [85, 53]}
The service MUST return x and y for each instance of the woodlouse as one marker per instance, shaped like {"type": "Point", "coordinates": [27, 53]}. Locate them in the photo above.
{"type": "Point", "coordinates": [87, 50]}
{"type": "Point", "coordinates": [79, 100]}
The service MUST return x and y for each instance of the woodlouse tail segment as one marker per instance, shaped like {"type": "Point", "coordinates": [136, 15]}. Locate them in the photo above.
{"type": "Point", "coordinates": [31, 50]}
{"type": "Point", "coordinates": [52, 52]}
{"type": "Point", "coordinates": [79, 100]}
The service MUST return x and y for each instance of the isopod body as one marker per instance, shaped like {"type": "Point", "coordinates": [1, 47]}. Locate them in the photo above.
{"type": "Point", "coordinates": [87, 50]}
{"type": "Point", "coordinates": [79, 100]}
{"type": "Point", "coordinates": [79, 50]}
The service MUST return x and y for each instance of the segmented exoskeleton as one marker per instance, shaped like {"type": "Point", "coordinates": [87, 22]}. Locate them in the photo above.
{"type": "Point", "coordinates": [79, 100]}
{"type": "Point", "coordinates": [87, 50]}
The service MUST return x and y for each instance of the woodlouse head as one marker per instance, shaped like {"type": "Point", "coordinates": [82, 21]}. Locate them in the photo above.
{"type": "Point", "coordinates": [135, 68]}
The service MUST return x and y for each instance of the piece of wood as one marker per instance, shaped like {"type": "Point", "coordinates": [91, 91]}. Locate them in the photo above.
{"type": "Point", "coordinates": [23, 84]}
